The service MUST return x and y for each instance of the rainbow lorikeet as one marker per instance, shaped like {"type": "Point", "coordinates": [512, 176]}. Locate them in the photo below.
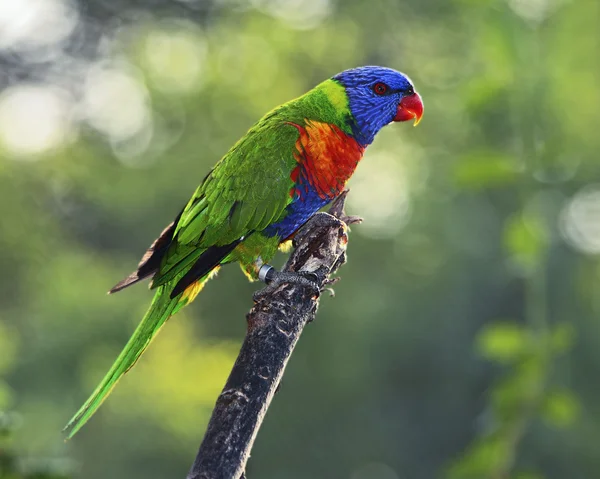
{"type": "Point", "coordinates": [290, 164]}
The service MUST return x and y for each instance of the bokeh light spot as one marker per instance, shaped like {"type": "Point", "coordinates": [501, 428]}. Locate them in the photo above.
{"type": "Point", "coordinates": [300, 14]}
{"type": "Point", "coordinates": [380, 193]}
{"type": "Point", "coordinates": [580, 220]}
{"type": "Point", "coordinates": [175, 57]}
{"type": "Point", "coordinates": [33, 120]}
{"type": "Point", "coordinates": [534, 11]}
{"type": "Point", "coordinates": [28, 24]}
{"type": "Point", "coordinates": [116, 103]}
{"type": "Point", "coordinates": [251, 58]}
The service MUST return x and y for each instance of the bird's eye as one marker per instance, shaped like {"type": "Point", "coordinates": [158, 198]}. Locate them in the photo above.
{"type": "Point", "coordinates": [380, 88]}
{"type": "Point", "coordinates": [410, 91]}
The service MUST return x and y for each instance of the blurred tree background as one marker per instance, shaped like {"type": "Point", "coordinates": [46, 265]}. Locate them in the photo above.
{"type": "Point", "coordinates": [464, 341]}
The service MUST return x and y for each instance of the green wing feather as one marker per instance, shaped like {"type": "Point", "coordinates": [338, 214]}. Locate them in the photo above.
{"type": "Point", "coordinates": [245, 192]}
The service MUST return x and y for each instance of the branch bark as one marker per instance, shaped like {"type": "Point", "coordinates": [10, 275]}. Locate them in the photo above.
{"type": "Point", "coordinates": [274, 327]}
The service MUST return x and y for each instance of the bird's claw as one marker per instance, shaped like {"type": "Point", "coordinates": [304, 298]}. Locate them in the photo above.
{"type": "Point", "coordinates": [327, 286]}
{"type": "Point", "coordinates": [275, 279]}
{"type": "Point", "coordinates": [352, 220]}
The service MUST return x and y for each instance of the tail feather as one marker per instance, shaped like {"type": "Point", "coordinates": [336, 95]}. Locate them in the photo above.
{"type": "Point", "coordinates": [133, 278]}
{"type": "Point", "coordinates": [160, 310]}
{"type": "Point", "coordinates": [150, 262]}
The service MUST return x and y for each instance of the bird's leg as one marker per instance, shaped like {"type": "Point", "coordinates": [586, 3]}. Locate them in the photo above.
{"type": "Point", "coordinates": [274, 279]}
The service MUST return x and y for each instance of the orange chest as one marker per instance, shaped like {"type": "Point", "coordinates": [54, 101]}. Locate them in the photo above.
{"type": "Point", "coordinates": [326, 156]}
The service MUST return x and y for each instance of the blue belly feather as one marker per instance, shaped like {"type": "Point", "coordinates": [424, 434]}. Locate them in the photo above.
{"type": "Point", "coordinates": [298, 212]}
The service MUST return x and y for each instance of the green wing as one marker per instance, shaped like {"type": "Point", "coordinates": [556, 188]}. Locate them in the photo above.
{"type": "Point", "coordinates": [245, 192]}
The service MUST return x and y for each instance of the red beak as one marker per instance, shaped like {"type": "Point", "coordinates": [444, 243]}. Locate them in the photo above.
{"type": "Point", "coordinates": [410, 107]}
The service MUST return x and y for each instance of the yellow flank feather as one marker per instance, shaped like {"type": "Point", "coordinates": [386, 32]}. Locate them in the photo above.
{"type": "Point", "coordinates": [193, 289]}
{"type": "Point", "coordinates": [285, 246]}
{"type": "Point", "coordinates": [250, 273]}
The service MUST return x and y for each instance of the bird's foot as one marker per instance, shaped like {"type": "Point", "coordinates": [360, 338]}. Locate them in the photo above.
{"type": "Point", "coordinates": [274, 279]}
{"type": "Point", "coordinates": [327, 285]}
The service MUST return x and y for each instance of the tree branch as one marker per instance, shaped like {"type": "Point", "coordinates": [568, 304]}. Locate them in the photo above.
{"type": "Point", "coordinates": [274, 326]}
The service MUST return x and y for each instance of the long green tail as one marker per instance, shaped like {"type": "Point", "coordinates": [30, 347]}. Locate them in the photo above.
{"type": "Point", "coordinates": [160, 310]}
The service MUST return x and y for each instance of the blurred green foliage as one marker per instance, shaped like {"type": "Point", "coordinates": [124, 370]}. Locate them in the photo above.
{"type": "Point", "coordinates": [12, 467]}
{"type": "Point", "coordinates": [464, 340]}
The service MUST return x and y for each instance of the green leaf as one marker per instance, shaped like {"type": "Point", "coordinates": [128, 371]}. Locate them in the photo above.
{"type": "Point", "coordinates": [482, 458]}
{"type": "Point", "coordinates": [502, 341]}
{"type": "Point", "coordinates": [560, 408]}
{"type": "Point", "coordinates": [525, 239]}
{"type": "Point", "coordinates": [519, 388]}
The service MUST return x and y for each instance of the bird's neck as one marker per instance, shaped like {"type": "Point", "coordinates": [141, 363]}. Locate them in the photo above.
{"type": "Point", "coordinates": [332, 99]}
{"type": "Point", "coordinates": [328, 103]}
{"type": "Point", "coordinates": [328, 148]}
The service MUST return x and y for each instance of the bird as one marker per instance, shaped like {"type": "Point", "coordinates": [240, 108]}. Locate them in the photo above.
{"type": "Point", "coordinates": [290, 164]}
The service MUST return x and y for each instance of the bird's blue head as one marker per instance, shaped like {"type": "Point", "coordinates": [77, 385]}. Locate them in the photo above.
{"type": "Point", "coordinates": [377, 96]}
